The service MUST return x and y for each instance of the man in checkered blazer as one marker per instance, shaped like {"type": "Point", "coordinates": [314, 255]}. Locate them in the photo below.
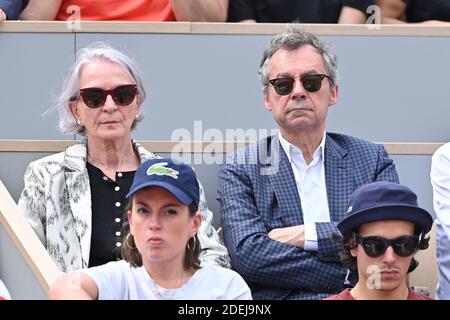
{"type": "Point", "coordinates": [282, 197]}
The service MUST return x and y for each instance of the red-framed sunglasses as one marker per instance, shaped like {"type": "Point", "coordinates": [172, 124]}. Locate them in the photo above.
{"type": "Point", "coordinates": [122, 95]}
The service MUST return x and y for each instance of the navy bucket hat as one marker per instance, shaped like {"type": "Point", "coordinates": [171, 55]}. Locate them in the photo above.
{"type": "Point", "coordinates": [177, 178]}
{"type": "Point", "coordinates": [384, 200]}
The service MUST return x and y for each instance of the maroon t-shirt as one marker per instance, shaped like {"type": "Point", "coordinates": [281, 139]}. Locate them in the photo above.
{"type": "Point", "coordinates": [345, 295]}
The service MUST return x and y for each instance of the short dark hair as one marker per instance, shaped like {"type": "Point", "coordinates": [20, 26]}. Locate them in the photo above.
{"type": "Point", "coordinates": [131, 254]}
{"type": "Point", "coordinates": [349, 261]}
{"type": "Point", "coordinates": [293, 38]}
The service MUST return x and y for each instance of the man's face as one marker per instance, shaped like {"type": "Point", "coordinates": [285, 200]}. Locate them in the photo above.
{"type": "Point", "coordinates": [388, 271]}
{"type": "Point", "coordinates": [299, 110]}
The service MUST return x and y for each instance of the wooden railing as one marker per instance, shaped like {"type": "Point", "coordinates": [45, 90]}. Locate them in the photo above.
{"type": "Point", "coordinates": [26, 241]}
{"type": "Point", "coordinates": [393, 148]}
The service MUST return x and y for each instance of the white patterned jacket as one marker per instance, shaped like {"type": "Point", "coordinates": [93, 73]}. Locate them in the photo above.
{"type": "Point", "coordinates": [57, 203]}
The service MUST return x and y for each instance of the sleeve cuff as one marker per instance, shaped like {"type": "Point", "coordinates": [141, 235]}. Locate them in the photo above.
{"type": "Point", "coordinates": [310, 237]}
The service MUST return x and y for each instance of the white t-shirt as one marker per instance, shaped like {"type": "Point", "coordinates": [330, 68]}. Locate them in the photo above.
{"type": "Point", "coordinates": [4, 292]}
{"type": "Point", "coordinates": [118, 280]}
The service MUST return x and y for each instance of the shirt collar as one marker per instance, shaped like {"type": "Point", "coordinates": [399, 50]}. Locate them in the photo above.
{"type": "Point", "coordinates": [289, 148]}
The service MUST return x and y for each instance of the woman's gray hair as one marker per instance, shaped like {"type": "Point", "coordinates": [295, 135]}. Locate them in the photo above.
{"type": "Point", "coordinates": [294, 38]}
{"type": "Point", "coordinates": [71, 85]}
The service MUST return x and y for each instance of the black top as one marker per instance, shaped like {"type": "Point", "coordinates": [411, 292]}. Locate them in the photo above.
{"type": "Point", "coordinates": [108, 204]}
{"type": "Point", "coordinates": [423, 10]}
{"type": "Point", "coordinates": [283, 11]}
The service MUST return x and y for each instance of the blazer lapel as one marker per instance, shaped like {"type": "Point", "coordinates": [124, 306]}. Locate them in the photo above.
{"type": "Point", "coordinates": [339, 178]}
{"type": "Point", "coordinates": [79, 195]}
{"type": "Point", "coordinates": [279, 171]}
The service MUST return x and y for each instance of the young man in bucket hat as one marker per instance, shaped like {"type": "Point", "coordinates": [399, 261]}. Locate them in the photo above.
{"type": "Point", "coordinates": [382, 231]}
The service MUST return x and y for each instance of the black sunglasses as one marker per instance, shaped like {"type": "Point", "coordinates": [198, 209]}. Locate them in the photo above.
{"type": "Point", "coordinates": [95, 97]}
{"type": "Point", "coordinates": [311, 83]}
{"type": "Point", "coordinates": [374, 246]}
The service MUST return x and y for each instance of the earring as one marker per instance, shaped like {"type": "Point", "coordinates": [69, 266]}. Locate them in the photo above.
{"type": "Point", "coordinates": [137, 115]}
{"type": "Point", "coordinates": [127, 242]}
{"type": "Point", "coordinates": [79, 122]}
{"type": "Point", "coordinates": [193, 246]}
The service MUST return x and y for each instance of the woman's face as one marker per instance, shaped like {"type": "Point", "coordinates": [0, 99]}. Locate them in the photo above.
{"type": "Point", "coordinates": [161, 225]}
{"type": "Point", "coordinates": [110, 121]}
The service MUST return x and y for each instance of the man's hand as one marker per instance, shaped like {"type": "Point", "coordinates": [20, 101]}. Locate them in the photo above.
{"type": "Point", "coordinates": [293, 235]}
{"type": "Point", "coordinates": [2, 15]}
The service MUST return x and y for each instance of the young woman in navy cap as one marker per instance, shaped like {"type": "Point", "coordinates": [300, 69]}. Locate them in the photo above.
{"type": "Point", "coordinates": [161, 249]}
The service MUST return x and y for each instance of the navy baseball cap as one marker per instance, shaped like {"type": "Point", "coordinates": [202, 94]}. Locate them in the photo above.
{"type": "Point", "coordinates": [384, 200]}
{"type": "Point", "coordinates": [177, 178]}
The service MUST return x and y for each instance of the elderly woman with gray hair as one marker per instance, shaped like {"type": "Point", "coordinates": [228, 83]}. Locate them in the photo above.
{"type": "Point", "coordinates": [74, 200]}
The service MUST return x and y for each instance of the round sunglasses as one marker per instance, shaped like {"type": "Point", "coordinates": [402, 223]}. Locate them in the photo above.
{"type": "Point", "coordinates": [311, 83]}
{"type": "Point", "coordinates": [374, 246]}
{"type": "Point", "coordinates": [122, 95]}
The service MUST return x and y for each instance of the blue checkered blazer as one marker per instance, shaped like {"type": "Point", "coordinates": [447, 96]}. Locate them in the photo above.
{"type": "Point", "coordinates": [257, 193]}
